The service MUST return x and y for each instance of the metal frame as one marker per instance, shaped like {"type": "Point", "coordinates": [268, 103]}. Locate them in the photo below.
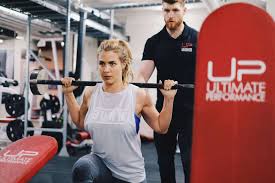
{"type": "Point", "coordinates": [63, 151]}
{"type": "Point", "coordinates": [138, 5]}
{"type": "Point", "coordinates": [16, 20]}
{"type": "Point", "coordinates": [63, 130]}
{"type": "Point", "coordinates": [75, 16]}
{"type": "Point", "coordinates": [27, 79]}
{"type": "Point", "coordinates": [49, 13]}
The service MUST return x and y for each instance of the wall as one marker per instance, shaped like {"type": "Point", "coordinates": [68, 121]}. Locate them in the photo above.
{"type": "Point", "coordinates": [89, 65]}
{"type": "Point", "coordinates": [270, 7]}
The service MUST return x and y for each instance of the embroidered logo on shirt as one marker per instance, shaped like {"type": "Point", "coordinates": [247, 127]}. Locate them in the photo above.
{"type": "Point", "coordinates": [186, 47]}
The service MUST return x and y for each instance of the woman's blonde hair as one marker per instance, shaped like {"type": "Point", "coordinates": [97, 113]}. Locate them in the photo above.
{"type": "Point", "coordinates": [124, 53]}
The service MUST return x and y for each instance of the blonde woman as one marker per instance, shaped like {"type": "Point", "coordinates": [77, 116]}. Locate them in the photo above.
{"type": "Point", "coordinates": [110, 112]}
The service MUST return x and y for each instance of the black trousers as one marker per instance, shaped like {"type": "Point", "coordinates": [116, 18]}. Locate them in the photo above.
{"type": "Point", "coordinates": [166, 148]}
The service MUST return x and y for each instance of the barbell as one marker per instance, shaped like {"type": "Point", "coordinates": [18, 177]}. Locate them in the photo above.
{"type": "Point", "coordinates": [39, 83]}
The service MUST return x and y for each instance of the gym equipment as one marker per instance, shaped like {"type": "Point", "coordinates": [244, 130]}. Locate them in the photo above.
{"type": "Point", "coordinates": [15, 130]}
{"type": "Point", "coordinates": [6, 82]}
{"type": "Point", "coordinates": [57, 135]}
{"type": "Point", "coordinates": [52, 104]}
{"type": "Point", "coordinates": [234, 117]}
{"type": "Point", "coordinates": [14, 105]}
{"type": "Point", "coordinates": [76, 147]}
{"type": "Point", "coordinates": [79, 142]}
{"type": "Point", "coordinates": [37, 78]}
{"type": "Point", "coordinates": [21, 160]}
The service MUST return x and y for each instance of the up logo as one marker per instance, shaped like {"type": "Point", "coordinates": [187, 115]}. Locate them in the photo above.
{"type": "Point", "coordinates": [232, 87]}
{"type": "Point", "coordinates": [20, 154]}
{"type": "Point", "coordinates": [22, 157]}
{"type": "Point", "coordinates": [237, 73]}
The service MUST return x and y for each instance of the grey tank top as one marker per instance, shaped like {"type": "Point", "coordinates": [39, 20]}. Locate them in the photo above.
{"type": "Point", "coordinates": [111, 122]}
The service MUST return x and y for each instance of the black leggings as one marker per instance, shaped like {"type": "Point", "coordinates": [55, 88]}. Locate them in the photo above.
{"type": "Point", "coordinates": [91, 169]}
{"type": "Point", "coordinates": [166, 148]}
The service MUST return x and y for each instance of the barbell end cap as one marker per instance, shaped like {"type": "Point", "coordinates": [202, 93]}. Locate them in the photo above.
{"type": "Point", "coordinates": [15, 83]}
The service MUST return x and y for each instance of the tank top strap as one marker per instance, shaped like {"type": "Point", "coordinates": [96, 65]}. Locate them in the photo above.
{"type": "Point", "coordinates": [94, 97]}
{"type": "Point", "coordinates": [133, 91]}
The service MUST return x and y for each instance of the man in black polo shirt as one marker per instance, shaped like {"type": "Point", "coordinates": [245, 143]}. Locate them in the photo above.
{"type": "Point", "coordinates": [173, 52]}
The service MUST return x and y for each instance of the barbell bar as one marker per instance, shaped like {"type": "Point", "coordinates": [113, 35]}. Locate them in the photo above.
{"type": "Point", "coordinates": [37, 78]}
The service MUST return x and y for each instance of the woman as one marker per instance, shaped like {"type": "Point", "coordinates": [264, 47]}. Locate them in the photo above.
{"type": "Point", "coordinates": [110, 112]}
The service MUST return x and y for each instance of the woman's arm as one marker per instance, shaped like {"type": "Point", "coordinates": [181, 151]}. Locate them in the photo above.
{"type": "Point", "coordinates": [159, 122]}
{"type": "Point", "coordinates": [77, 112]}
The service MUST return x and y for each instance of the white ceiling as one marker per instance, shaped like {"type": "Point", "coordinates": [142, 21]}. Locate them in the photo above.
{"type": "Point", "coordinates": [113, 3]}
{"type": "Point", "coordinates": [109, 3]}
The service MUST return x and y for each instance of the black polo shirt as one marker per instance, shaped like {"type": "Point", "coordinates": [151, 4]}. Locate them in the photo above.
{"type": "Point", "coordinates": [174, 59]}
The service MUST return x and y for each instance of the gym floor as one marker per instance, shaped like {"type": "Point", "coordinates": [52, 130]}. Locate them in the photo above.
{"type": "Point", "coordinates": [59, 168]}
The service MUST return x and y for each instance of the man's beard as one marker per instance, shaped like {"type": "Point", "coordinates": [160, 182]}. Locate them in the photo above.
{"type": "Point", "coordinates": [172, 26]}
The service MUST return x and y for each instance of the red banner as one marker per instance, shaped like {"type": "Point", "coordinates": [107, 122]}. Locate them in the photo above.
{"type": "Point", "coordinates": [234, 119]}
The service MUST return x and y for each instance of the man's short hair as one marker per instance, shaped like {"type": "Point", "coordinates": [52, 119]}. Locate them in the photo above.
{"type": "Point", "coordinates": [174, 1]}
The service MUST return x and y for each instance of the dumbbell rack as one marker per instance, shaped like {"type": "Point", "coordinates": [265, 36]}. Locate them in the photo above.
{"type": "Point", "coordinates": [5, 84]}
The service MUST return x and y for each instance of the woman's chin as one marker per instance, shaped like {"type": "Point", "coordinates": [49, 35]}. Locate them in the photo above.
{"type": "Point", "coordinates": [108, 81]}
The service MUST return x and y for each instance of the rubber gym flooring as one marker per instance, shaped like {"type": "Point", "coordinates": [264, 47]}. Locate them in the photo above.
{"type": "Point", "coordinates": [58, 169]}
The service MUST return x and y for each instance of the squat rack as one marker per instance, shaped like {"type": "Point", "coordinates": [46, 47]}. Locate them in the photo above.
{"type": "Point", "coordinates": [57, 12]}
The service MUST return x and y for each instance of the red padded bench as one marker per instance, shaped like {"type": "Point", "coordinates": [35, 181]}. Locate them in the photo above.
{"type": "Point", "coordinates": [21, 160]}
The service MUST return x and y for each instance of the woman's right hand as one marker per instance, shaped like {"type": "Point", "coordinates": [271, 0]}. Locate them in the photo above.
{"type": "Point", "coordinates": [67, 85]}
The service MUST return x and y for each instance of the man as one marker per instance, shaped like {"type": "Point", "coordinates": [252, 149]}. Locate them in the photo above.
{"type": "Point", "coordinates": [173, 52]}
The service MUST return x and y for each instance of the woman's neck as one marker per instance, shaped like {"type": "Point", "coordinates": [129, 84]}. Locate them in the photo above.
{"type": "Point", "coordinates": [113, 87]}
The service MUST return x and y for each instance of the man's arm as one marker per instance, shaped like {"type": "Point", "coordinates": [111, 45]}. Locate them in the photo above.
{"type": "Point", "coordinates": [145, 71]}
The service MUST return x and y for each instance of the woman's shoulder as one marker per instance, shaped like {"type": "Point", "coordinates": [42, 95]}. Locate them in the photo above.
{"type": "Point", "coordinates": [140, 92]}
{"type": "Point", "coordinates": [89, 91]}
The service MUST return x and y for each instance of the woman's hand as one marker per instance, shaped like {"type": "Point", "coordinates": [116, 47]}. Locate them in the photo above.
{"type": "Point", "coordinates": [67, 85]}
{"type": "Point", "coordinates": [167, 90]}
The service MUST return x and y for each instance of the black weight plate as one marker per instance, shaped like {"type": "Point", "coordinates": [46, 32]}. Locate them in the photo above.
{"type": "Point", "coordinates": [14, 105]}
{"type": "Point", "coordinates": [55, 104]}
{"type": "Point", "coordinates": [15, 130]}
{"type": "Point", "coordinates": [45, 104]}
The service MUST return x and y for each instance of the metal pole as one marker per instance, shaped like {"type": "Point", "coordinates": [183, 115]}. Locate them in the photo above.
{"type": "Point", "coordinates": [56, 69]}
{"type": "Point", "coordinates": [80, 43]}
{"type": "Point", "coordinates": [26, 89]}
{"type": "Point", "coordinates": [112, 24]}
{"type": "Point", "coordinates": [64, 151]}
